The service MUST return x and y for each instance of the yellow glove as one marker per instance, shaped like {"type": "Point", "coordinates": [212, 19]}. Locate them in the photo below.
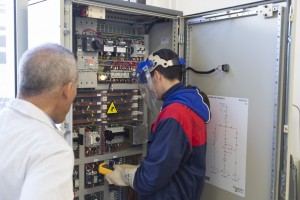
{"type": "Point", "coordinates": [122, 175]}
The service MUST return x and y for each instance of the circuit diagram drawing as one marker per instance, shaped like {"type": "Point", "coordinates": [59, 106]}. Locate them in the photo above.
{"type": "Point", "coordinates": [227, 144]}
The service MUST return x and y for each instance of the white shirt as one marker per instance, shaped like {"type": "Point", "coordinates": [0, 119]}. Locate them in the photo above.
{"type": "Point", "coordinates": [36, 163]}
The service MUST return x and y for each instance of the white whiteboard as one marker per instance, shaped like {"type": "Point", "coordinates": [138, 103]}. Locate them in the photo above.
{"type": "Point", "coordinates": [227, 144]}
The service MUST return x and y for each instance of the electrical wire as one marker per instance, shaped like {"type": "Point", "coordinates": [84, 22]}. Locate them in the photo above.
{"type": "Point", "coordinates": [131, 194]}
{"type": "Point", "coordinates": [84, 32]}
{"type": "Point", "coordinates": [201, 72]}
{"type": "Point", "coordinates": [222, 68]}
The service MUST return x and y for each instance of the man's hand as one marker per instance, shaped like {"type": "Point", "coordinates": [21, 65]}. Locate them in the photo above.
{"type": "Point", "coordinates": [122, 175]}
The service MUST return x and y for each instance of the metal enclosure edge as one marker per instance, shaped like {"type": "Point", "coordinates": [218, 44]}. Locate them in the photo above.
{"type": "Point", "coordinates": [21, 45]}
{"type": "Point", "coordinates": [66, 40]}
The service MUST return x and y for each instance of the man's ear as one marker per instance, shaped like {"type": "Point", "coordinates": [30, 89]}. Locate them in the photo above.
{"type": "Point", "coordinates": [67, 90]}
{"type": "Point", "coordinates": [157, 74]}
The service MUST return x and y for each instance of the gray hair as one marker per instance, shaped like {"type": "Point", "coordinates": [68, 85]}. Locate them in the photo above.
{"type": "Point", "coordinates": [46, 68]}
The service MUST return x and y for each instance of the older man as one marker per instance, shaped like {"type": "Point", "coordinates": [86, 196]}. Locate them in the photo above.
{"type": "Point", "coordinates": [35, 160]}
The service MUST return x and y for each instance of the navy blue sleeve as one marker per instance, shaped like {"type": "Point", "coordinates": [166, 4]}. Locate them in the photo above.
{"type": "Point", "coordinates": [167, 148]}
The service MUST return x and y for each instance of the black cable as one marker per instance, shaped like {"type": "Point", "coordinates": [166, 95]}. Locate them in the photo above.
{"type": "Point", "coordinates": [223, 68]}
{"type": "Point", "coordinates": [201, 72]}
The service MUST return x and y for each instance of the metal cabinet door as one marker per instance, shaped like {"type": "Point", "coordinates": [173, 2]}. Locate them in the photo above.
{"type": "Point", "coordinates": [250, 41]}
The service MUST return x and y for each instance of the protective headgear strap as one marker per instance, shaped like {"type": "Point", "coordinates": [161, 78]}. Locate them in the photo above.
{"type": "Point", "coordinates": [164, 63]}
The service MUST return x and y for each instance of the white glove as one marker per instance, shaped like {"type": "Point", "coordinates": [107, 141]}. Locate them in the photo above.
{"type": "Point", "coordinates": [122, 175]}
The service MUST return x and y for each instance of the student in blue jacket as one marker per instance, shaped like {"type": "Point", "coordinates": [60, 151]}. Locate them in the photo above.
{"type": "Point", "coordinates": [174, 167]}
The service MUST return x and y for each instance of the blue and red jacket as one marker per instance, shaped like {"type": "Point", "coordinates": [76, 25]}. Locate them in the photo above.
{"type": "Point", "coordinates": [174, 167]}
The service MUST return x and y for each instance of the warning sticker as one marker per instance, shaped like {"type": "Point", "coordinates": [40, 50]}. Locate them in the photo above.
{"type": "Point", "coordinates": [112, 109]}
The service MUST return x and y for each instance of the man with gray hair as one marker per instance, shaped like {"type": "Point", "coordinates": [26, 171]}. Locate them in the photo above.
{"type": "Point", "coordinates": [36, 161]}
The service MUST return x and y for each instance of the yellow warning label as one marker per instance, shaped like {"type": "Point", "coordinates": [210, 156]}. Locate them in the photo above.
{"type": "Point", "coordinates": [112, 109]}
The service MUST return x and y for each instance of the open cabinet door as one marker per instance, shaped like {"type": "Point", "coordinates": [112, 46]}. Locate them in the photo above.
{"type": "Point", "coordinates": [46, 25]}
{"type": "Point", "coordinates": [246, 102]}
{"type": "Point", "coordinates": [45, 22]}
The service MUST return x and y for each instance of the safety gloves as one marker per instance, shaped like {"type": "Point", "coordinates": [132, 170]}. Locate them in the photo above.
{"type": "Point", "coordinates": [122, 175]}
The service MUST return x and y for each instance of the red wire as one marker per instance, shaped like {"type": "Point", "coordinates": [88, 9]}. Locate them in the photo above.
{"type": "Point", "coordinates": [117, 148]}
{"type": "Point", "coordinates": [84, 31]}
{"type": "Point", "coordinates": [129, 194]}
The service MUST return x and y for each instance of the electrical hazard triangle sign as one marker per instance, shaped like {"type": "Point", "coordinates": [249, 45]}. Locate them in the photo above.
{"type": "Point", "coordinates": [112, 109]}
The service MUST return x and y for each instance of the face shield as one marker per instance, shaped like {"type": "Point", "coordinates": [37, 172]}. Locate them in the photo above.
{"type": "Point", "coordinates": [143, 78]}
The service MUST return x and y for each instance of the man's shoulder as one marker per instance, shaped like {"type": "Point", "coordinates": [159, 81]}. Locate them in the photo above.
{"type": "Point", "coordinates": [175, 112]}
{"type": "Point", "coordinates": [179, 112]}
{"type": "Point", "coordinates": [175, 109]}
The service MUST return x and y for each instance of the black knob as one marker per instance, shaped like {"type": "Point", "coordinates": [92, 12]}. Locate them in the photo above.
{"type": "Point", "coordinates": [96, 45]}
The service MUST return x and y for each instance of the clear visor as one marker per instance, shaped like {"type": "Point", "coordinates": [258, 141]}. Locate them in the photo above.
{"type": "Point", "coordinates": [143, 78]}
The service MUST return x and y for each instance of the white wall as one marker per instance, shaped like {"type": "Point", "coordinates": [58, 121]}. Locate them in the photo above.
{"type": "Point", "coordinates": [196, 6]}
{"type": "Point", "coordinates": [296, 94]}
{"type": "Point", "coordinates": [294, 139]}
{"type": "Point", "coordinates": [170, 4]}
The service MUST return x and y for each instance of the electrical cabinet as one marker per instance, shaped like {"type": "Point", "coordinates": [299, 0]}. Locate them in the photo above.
{"type": "Point", "coordinates": [110, 123]}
